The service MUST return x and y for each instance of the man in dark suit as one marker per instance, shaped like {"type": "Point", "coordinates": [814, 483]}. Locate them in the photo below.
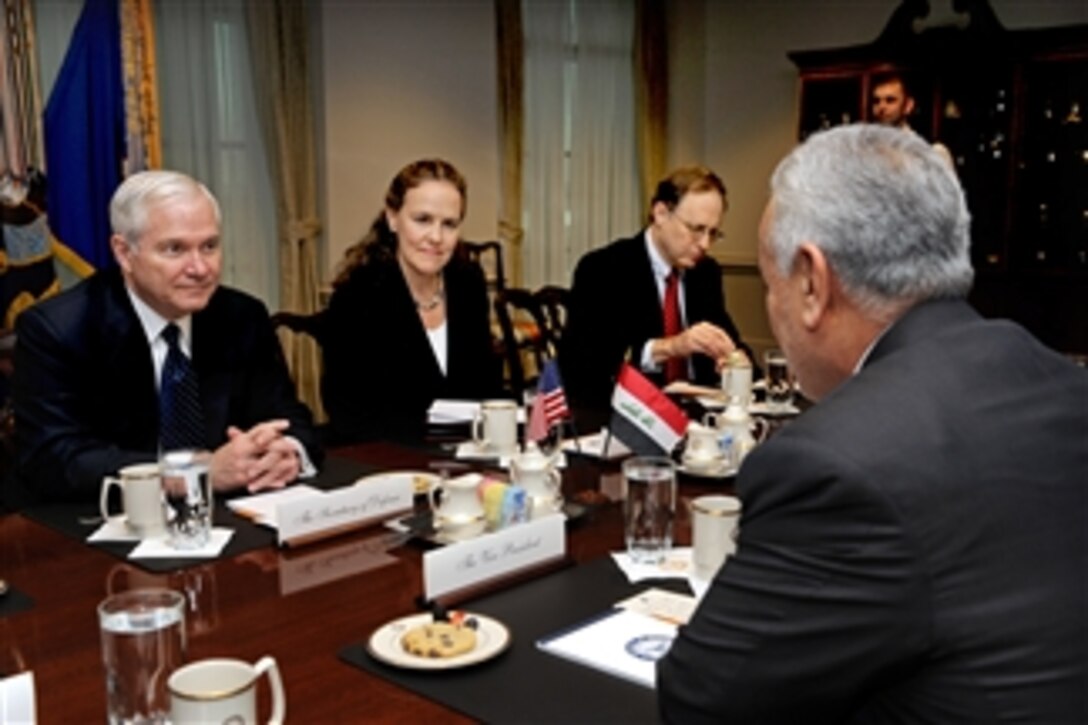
{"type": "Point", "coordinates": [914, 548]}
{"type": "Point", "coordinates": [620, 299]}
{"type": "Point", "coordinates": [89, 364]}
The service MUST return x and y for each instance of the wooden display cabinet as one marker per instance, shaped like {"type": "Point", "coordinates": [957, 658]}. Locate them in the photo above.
{"type": "Point", "coordinates": [1012, 109]}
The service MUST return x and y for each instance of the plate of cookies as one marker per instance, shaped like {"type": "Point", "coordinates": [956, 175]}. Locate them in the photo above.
{"type": "Point", "coordinates": [421, 642]}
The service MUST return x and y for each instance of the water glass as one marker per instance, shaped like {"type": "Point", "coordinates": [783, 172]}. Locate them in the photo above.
{"type": "Point", "coordinates": [187, 497]}
{"type": "Point", "coordinates": [143, 641]}
{"type": "Point", "coordinates": [649, 507]}
{"type": "Point", "coordinates": [779, 380]}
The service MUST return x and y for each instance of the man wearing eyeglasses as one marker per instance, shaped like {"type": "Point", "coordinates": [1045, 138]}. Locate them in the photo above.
{"type": "Point", "coordinates": [654, 299]}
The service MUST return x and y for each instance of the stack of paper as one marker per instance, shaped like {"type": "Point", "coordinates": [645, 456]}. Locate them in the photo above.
{"type": "Point", "coordinates": [621, 642]}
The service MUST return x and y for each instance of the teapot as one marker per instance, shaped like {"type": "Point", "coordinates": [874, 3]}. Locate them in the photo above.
{"type": "Point", "coordinates": [740, 431]}
{"type": "Point", "coordinates": [537, 474]}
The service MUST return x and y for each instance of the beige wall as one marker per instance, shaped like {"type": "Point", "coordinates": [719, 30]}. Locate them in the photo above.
{"type": "Point", "coordinates": [406, 79]}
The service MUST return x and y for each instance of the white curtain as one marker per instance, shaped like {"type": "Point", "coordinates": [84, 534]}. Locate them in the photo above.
{"type": "Point", "coordinates": [210, 131]}
{"type": "Point", "coordinates": [580, 172]}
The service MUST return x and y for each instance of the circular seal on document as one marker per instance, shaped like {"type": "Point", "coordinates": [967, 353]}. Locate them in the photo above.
{"type": "Point", "coordinates": [649, 647]}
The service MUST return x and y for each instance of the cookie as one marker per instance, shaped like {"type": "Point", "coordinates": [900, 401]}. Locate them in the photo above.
{"type": "Point", "coordinates": [439, 639]}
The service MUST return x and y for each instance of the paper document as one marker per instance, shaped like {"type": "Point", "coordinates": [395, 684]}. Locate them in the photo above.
{"type": "Point", "coordinates": [620, 642]}
{"type": "Point", "coordinates": [683, 387]}
{"type": "Point", "coordinates": [593, 445]}
{"type": "Point", "coordinates": [459, 411]}
{"type": "Point", "coordinates": [261, 507]}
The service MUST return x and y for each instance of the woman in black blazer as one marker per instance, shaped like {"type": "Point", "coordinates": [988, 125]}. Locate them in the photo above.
{"type": "Point", "coordinates": [408, 321]}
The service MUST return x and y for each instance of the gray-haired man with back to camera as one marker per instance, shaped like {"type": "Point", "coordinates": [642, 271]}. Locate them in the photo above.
{"type": "Point", "coordinates": [92, 364]}
{"type": "Point", "coordinates": [914, 548]}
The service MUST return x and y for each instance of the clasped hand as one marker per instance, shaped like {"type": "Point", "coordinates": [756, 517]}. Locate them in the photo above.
{"type": "Point", "coordinates": [259, 458]}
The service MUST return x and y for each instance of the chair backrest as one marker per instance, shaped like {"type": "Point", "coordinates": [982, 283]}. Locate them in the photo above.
{"type": "Point", "coordinates": [553, 303]}
{"type": "Point", "coordinates": [312, 325]}
{"type": "Point", "coordinates": [489, 256]}
{"type": "Point", "coordinates": [525, 343]}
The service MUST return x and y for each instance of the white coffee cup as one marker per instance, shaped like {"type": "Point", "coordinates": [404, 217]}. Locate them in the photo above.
{"type": "Point", "coordinates": [460, 514]}
{"type": "Point", "coordinates": [714, 522]}
{"type": "Point", "coordinates": [495, 429]}
{"type": "Point", "coordinates": [141, 498]}
{"type": "Point", "coordinates": [223, 690]}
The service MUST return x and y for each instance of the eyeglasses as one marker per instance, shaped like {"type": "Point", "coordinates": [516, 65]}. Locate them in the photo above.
{"type": "Point", "coordinates": [698, 230]}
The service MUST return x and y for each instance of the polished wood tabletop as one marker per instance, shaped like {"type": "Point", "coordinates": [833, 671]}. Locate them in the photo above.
{"type": "Point", "coordinates": [300, 606]}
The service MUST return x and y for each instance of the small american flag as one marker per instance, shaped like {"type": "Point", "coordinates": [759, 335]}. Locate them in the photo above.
{"type": "Point", "coordinates": [550, 404]}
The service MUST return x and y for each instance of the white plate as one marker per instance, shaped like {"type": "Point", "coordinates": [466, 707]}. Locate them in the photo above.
{"type": "Point", "coordinates": [772, 411]}
{"type": "Point", "coordinates": [492, 637]}
{"type": "Point", "coordinates": [422, 481]}
{"type": "Point", "coordinates": [723, 470]}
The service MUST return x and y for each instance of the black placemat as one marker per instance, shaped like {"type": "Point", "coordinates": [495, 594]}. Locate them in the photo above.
{"type": "Point", "coordinates": [14, 602]}
{"type": "Point", "coordinates": [524, 684]}
{"type": "Point", "coordinates": [68, 518]}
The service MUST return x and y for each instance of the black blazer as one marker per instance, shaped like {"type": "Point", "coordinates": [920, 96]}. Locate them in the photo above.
{"type": "Point", "coordinates": [914, 548]}
{"type": "Point", "coordinates": [380, 372]}
{"type": "Point", "coordinates": [84, 387]}
{"type": "Point", "coordinates": [615, 308]}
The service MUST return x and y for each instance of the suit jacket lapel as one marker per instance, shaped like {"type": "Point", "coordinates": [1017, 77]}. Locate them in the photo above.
{"type": "Point", "coordinates": [126, 359]}
{"type": "Point", "coordinates": [649, 299]}
{"type": "Point", "coordinates": [420, 352]}
{"type": "Point", "coordinates": [210, 363]}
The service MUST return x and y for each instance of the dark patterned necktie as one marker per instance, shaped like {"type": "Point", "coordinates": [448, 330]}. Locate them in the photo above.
{"type": "Point", "coordinates": [675, 367]}
{"type": "Point", "coordinates": [181, 422]}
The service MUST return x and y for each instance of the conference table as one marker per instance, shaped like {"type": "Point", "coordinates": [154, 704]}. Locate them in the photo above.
{"type": "Point", "coordinates": [313, 607]}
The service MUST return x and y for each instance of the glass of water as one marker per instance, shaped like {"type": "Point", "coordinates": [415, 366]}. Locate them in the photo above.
{"type": "Point", "coordinates": [779, 380]}
{"type": "Point", "coordinates": [143, 641]}
{"type": "Point", "coordinates": [649, 507]}
{"type": "Point", "coordinates": [187, 497]}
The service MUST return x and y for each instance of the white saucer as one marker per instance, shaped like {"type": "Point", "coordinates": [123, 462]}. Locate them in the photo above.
{"type": "Point", "coordinates": [492, 637]}
{"type": "Point", "coordinates": [721, 469]}
{"type": "Point", "coordinates": [714, 405]}
{"type": "Point", "coordinates": [771, 411]}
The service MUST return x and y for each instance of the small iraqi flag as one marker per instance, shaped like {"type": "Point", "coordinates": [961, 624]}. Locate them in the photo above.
{"type": "Point", "coordinates": [643, 418]}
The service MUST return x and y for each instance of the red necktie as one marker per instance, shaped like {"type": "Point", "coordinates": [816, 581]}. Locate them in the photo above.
{"type": "Point", "coordinates": [675, 367]}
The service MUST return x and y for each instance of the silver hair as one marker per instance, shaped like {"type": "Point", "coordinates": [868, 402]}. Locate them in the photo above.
{"type": "Point", "coordinates": [138, 193]}
{"type": "Point", "coordinates": [884, 207]}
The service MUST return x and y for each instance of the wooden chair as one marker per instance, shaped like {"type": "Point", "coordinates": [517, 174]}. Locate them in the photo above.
{"type": "Point", "coordinates": [525, 344]}
{"type": "Point", "coordinates": [312, 325]}
{"type": "Point", "coordinates": [553, 303]}
{"type": "Point", "coordinates": [489, 256]}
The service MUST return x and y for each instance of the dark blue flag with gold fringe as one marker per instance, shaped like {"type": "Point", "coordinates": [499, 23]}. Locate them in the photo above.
{"type": "Point", "coordinates": [85, 140]}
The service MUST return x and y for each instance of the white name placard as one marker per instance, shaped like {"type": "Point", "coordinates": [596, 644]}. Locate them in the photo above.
{"type": "Point", "coordinates": [467, 563]}
{"type": "Point", "coordinates": [344, 508]}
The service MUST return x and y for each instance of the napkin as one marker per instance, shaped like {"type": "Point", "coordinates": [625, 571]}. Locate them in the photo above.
{"type": "Point", "coordinates": [471, 451]}
{"type": "Point", "coordinates": [17, 698]}
{"type": "Point", "coordinates": [677, 565]}
{"type": "Point", "coordinates": [160, 548]}
{"type": "Point", "coordinates": [115, 528]}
